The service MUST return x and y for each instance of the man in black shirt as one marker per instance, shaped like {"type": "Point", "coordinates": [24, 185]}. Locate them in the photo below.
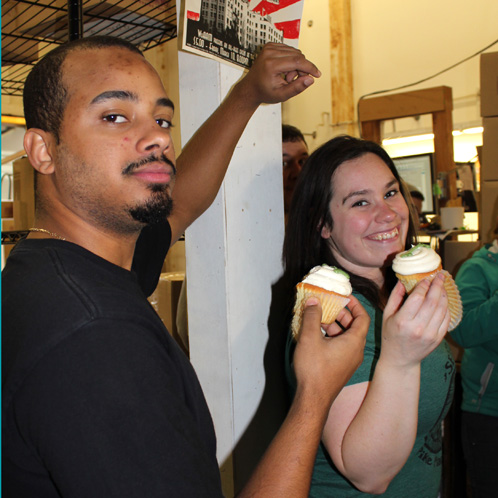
{"type": "Point", "coordinates": [98, 400]}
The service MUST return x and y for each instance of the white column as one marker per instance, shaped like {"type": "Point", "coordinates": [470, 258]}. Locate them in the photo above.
{"type": "Point", "coordinates": [233, 257]}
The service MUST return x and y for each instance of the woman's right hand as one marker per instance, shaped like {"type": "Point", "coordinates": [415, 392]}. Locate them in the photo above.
{"type": "Point", "coordinates": [414, 328]}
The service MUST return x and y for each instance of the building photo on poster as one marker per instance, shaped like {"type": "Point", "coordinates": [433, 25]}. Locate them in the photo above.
{"type": "Point", "coordinates": [233, 31]}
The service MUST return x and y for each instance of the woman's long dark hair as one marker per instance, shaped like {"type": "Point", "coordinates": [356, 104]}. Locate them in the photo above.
{"type": "Point", "coordinates": [304, 247]}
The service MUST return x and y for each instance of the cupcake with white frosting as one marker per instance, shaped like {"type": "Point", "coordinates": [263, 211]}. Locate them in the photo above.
{"type": "Point", "coordinates": [414, 265]}
{"type": "Point", "coordinates": [421, 262]}
{"type": "Point", "coordinates": [327, 283]}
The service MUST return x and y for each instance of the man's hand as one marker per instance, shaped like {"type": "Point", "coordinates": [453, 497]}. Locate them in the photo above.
{"type": "Point", "coordinates": [278, 73]}
{"type": "Point", "coordinates": [325, 364]}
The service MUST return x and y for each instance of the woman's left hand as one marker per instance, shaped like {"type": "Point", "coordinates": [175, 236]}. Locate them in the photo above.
{"type": "Point", "coordinates": [414, 328]}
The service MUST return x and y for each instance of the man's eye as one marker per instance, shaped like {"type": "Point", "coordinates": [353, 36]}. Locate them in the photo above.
{"type": "Point", "coordinates": [164, 123]}
{"type": "Point", "coordinates": [114, 118]}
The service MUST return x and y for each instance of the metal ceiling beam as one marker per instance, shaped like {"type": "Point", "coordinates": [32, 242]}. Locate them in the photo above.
{"type": "Point", "coordinates": [75, 19]}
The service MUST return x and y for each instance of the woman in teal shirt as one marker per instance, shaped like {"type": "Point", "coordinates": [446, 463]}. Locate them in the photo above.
{"type": "Point", "coordinates": [477, 333]}
{"type": "Point", "coordinates": [383, 433]}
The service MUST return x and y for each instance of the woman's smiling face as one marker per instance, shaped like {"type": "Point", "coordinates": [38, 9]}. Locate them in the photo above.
{"type": "Point", "coordinates": [370, 216]}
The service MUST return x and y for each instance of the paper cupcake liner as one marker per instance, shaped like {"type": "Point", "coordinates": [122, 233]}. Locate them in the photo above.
{"type": "Point", "coordinates": [454, 300]}
{"type": "Point", "coordinates": [331, 302]}
{"type": "Point", "coordinates": [410, 281]}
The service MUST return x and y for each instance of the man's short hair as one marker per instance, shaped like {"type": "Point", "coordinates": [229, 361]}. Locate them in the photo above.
{"type": "Point", "coordinates": [415, 192]}
{"type": "Point", "coordinates": [292, 134]}
{"type": "Point", "coordinates": [44, 96]}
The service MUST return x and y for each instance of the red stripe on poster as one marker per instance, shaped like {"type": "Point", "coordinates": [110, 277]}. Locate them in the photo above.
{"type": "Point", "coordinates": [290, 29]}
{"type": "Point", "coordinates": [193, 16]}
{"type": "Point", "coordinates": [265, 7]}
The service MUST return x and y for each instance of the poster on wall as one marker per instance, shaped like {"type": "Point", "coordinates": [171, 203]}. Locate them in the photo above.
{"type": "Point", "coordinates": [233, 31]}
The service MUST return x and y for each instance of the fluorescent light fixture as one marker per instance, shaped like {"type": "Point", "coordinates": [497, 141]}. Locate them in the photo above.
{"type": "Point", "coordinates": [430, 136]}
{"type": "Point", "coordinates": [476, 129]}
{"type": "Point", "coordinates": [404, 140]}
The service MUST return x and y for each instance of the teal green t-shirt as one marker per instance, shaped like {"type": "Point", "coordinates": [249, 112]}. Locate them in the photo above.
{"type": "Point", "coordinates": [421, 475]}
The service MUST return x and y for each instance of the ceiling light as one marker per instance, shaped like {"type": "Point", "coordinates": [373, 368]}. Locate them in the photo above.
{"type": "Point", "coordinates": [476, 129]}
{"type": "Point", "coordinates": [430, 136]}
{"type": "Point", "coordinates": [404, 140]}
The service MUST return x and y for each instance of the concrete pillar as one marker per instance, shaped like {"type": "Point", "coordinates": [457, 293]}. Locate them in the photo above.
{"type": "Point", "coordinates": [233, 257]}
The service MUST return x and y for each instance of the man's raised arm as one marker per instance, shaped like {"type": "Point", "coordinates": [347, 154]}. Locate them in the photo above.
{"type": "Point", "coordinates": [278, 73]}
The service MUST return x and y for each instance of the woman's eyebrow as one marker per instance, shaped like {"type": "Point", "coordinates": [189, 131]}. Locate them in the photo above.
{"type": "Point", "coordinates": [355, 193]}
{"type": "Point", "coordinates": [366, 191]}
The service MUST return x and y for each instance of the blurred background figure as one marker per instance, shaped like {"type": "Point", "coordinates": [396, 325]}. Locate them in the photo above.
{"type": "Point", "coordinates": [294, 155]}
{"type": "Point", "coordinates": [477, 281]}
{"type": "Point", "coordinates": [417, 199]}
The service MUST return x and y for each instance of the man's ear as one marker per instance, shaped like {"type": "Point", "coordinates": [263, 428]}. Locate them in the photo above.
{"type": "Point", "coordinates": [38, 145]}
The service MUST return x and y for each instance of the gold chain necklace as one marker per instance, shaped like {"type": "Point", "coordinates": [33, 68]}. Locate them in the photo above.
{"type": "Point", "coordinates": [42, 230]}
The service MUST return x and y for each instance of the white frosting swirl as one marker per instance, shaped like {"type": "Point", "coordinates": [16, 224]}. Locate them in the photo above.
{"type": "Point", "coordinates": [418, 259]}
{"type": "Point", "coordinates": [329, 278]}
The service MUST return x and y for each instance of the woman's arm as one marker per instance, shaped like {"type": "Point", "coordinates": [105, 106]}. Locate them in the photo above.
{"type": "Point", "coordinates": [372, 426]}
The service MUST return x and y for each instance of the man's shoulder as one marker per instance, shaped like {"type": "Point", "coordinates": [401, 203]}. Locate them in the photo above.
{"type": "Point", "coordinates": [55, 270]}
{"type": "Point", "coordinates": [52, 292]}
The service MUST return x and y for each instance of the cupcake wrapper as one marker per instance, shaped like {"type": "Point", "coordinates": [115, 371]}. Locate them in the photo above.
{"type": "Point", "coordinates": [454, 300]}
{"type": "Point", "coordinates": [410, 281]}
{"type": "Point", "coordinates": [331, 302]}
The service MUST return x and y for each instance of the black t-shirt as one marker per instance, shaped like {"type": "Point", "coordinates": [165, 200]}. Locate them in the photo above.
{"type": "Point", "coordinates": [98, 400]}
{"type": "Point", "coordinates": [150, 250]}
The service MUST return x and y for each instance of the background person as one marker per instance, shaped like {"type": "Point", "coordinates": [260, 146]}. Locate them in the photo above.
{"type": "Point", "coordinates": [294, 155]}
{"type": "Point", "coordinates": [477, 333]}
{"type": "Point", "coordinates": [417, 199]}
{"type": "Point", "coordinates": [383, 432]}
{"type": "Point", "coordinates": [97, 398]}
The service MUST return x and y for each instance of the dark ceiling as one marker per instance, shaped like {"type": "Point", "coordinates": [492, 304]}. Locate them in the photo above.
{"type": "Point", "coordinates": [31, 28]}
